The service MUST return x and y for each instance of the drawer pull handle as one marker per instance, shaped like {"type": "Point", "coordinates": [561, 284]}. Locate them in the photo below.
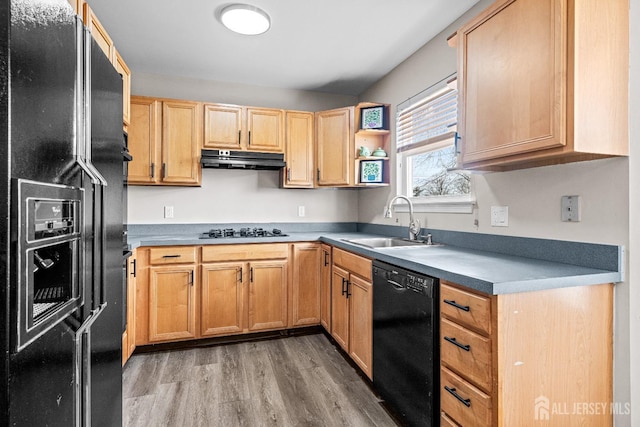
{"type": "Point", "coordinates": [456, 305]}
{"type": "Point", "coordinates": [456, 343]}
{"type": "Point", "coordinates": [171, 256]}
{"type": "Point", "coordinates": [452, 391]}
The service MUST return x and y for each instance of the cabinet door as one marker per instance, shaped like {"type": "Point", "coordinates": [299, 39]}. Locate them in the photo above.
{"type": "Point", "coordinates": [181, 142]}
{"type": "Point", "coordinates": [265, 130]}
{"type": "Point", "coordinates": [172, 308]}
{"type": "Point", "coordinates": [299, 150]}
{"type": "Point", "coordinates": [132, 272]}
{"type": "Point", "coordinates": [121, 67]}
{"type": "Point", "coordinates": [514, 66]}
{"type": "Point", "coordinates": [98, 31]}
{"type": "Point", "coordinates": [144, 140]}
{"type": "Point", "coordinates": [222, 302]}
{"type": "Point", "coordinates": [340, 307]}
{"type": "Point", "coordinates": [325, 288]}
{"type": "Point", "coordinates": [334, 147]}
{"type": "Point", "coordinates": [267, 295]}
{"type": "Point", "coordinates": [361, 323]}
{"type": "Point", "coordinates": [222, 126]}
{"type": "Point", "coordinates": [305, 292]}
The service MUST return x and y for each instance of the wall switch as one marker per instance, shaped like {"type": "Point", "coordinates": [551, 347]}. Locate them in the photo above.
{"type": "Point", "coordinates": [570, 208]}
{"type": "Point", "coordinates": [499, 216]}
{"type": "Point", "coordinates": [301, 211]}
{"type": "Point", "coordinates": [168, 211]}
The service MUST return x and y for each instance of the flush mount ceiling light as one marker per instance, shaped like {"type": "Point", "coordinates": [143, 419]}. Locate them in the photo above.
{"type": "Point", "coordinates": [245, 19]}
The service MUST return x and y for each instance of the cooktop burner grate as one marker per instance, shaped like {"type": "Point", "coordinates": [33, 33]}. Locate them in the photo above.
{"type": "Point", "coordinates": [219, 233]}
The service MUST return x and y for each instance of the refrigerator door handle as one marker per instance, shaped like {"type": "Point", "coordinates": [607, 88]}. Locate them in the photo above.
{"type": "Point", "coordinates": [83, 369]}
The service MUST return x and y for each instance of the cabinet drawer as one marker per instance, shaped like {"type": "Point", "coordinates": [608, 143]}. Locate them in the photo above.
{"type": "Point", "coordinates": [471, 310]}
{"type": "Point", "coordinates": [445, 421]}
{"type": "Point", "coordinates": [462, 402]}
{"type": "Point", "coordinates": [244, 252]}
{"type": "Point", "coordinates": [352, 262]}
{"type": "Point", "coordinates": [172, 255]}
{"type": "Point", "coordinates": [466, 352]}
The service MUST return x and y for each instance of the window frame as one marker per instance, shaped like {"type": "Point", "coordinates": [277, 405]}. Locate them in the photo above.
{"type": "Point", "coordinates": [436, 204]}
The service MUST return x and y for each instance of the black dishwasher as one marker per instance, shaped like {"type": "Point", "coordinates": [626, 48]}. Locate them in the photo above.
{"type": "Point", "coordinates": [406, 355]}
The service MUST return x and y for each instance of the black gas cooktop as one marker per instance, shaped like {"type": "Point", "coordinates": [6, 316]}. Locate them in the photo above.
{"type": "Point", "coordinates": [222, 233]}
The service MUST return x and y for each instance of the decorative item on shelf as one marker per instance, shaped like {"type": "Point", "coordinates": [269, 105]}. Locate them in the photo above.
{"type": "Point", "coordinates": [372, 118]}
{"type": "Point", "coordinates": [371, 171]}
{"type": "Point", "coordinates": [364, 152]}
{"type": "Point", "coordinates": [379, 152]}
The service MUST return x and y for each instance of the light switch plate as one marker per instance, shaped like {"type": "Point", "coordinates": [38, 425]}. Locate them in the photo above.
{"type": "Point", "coordinates": [570, 206]}
{"type": "Point", "coordinates": [499, 216]}
{"type": "Point", "coordinates": [301, 211]}
{"type": "Point", "coordinates": [168, 211]}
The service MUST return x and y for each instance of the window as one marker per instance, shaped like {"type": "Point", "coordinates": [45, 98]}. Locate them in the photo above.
{"type": "Point", "coordinates": [427, 151]}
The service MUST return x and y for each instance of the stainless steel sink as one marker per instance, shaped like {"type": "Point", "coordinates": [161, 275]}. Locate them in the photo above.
{"type": "Point", "coordinates": [386, 242]}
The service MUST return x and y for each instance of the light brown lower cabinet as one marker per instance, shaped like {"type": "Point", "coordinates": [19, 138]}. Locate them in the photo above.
{"type": "Point", "coordinates": [325, 288]}
{"type": "Point", "coordinates": [306, 284]}
{"type": "Point", "coordinates": [129, 335]}
{"type": "Point", "coordinates": [526, 358]}
{"type": "Point", "coordinates": [352, 307]}
{"type": "Point", "coordinates": [191, 292]}
{"type": "Point", "coordinates": [222, 298]}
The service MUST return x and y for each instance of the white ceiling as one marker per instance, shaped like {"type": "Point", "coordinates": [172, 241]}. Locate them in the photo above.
{"type": "Point", "coordinates": [336, 46]}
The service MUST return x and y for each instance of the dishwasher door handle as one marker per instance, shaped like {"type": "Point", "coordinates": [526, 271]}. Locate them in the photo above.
{"type": "Point", "coordinates": [396, 285]}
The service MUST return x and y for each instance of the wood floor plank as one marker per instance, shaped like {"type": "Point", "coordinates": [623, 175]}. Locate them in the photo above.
{"type": "Point", "coordinates": [233, 386]}
{"type": "Point", "coordinates": [170, 406]}
{"type": "Point", "coordinates": [149, 368]}
{"type": "Point", "coordinates": [267, 399]}
{"type": "Point", "coordinates": [136, 410]}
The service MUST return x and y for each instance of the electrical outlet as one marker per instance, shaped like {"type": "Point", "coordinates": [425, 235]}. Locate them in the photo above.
{"type": "Point", "coordinates": [301, 211]}
{"type": "Point", "coordinates": [499, 216]}
{"type": "Point", "coordinates": [570, 208]}
{"type": "Point", "coordinates": [168, 211]}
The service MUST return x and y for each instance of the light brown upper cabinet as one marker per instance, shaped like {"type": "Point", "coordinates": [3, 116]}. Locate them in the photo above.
{"type": "Point", "coordinates": [335, 150]}
{"type": "Point", "coordinates": [98, 31]}
{"type": "Point", "coordinates": [299, 148]}
{"type": "Point", "coordinates": [232, 127]}
{"type": "Point", "coordinates": [543, 82]}
{"type": "Point", "coordinates": [78, 6]}
{"type": "Point", "coordinates": [165, 136]}
{"type": "Point", "coordinates": [121, 67]}
{"type": "Point", "coordinates": [373, 135]}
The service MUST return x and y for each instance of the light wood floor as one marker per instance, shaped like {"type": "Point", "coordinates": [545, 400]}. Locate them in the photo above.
{"type": "Point", "coordinates": [292, 381]}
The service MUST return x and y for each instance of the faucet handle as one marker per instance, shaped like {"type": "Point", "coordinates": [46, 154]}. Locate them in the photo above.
{"type": "Point", "coordinates": [414, 229]}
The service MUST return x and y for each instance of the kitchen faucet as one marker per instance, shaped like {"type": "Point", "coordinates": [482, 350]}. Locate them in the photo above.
{"type": "Point", "coordinates": [414, 224]}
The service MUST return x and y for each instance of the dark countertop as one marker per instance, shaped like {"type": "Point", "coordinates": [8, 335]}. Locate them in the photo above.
{"type": "Point", "coordinates": [492, 273]}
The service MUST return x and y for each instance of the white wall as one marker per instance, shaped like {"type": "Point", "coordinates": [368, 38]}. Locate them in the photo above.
{"type": "Point", "coordinates": [533, 196]}
{"type": "Point", "coordinates": [236, 195]}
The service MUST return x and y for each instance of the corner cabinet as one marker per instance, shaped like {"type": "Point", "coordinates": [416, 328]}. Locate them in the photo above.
{"type": "Point", "coordinates": [233, 127]}
{"type": "Point", "coordinates": [305, 284]}
{"type": "Point", "coordinates": [507, 360]}
{"type": "Point", "coordinates": [543, 82]}
{"type": "Point", "coordinates": [325, 288]}
{"type": "Point", "coordinates": [340, 136]}
{"type": "Point", "coordinates": [372, 170]}
{"type": "Point", "coordinates": [164, 139]}
{"type": "Point", "coordinates": [352, 307]}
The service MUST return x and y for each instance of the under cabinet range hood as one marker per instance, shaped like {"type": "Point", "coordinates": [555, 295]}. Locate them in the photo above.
{"type": "Point", "coordinates": [229, 159]}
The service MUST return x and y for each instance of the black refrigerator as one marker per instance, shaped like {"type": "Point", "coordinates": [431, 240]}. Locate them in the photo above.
{"type": "Point", "coordinates": [61, 235]}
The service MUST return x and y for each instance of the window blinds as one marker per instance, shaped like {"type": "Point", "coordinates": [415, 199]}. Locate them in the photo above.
{"type": "Point", "coordinates": [428, 118]}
